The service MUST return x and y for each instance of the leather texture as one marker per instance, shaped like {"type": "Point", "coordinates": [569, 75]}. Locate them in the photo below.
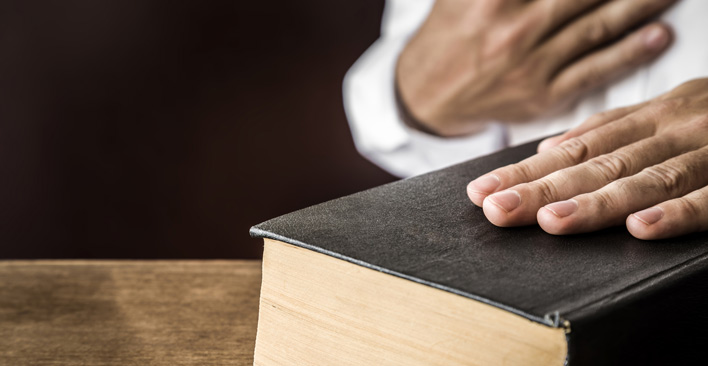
{"type": "Point", "coordinates": [619, 293]}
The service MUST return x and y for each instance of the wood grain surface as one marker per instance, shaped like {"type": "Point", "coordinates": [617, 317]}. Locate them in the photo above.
{"type": "Point", "coordinates": [128, 312]}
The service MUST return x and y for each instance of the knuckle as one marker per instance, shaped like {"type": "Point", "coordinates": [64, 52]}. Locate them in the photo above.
{"type": "Point", "coordinates": [591, 76]}
{"type": "Point", "coordinates": [690, 86]}
{"type": "Point", "coordinates": [612, 166]}
{"type": "Point", "coordinates": [700, 124]}
{"type": "Point", "coordinates": [573, 151]}
{"type": "Point", "coordinates": [702, 196]}
{"type": "Point", "coordinates": [604, 197]}
{"type": "Point", "coordinates": [495, 6]}
{"type": "Point", "coordinates": [690, 208]}
{"type": "Point", "coordinates": [597, 31]}
{"type": "Point", "coordinates": [663, 107]}
{"type": "Point", "coordinates": [698, 209]}
{"type": "Point", "coordinates": [520, 77]}
{"type": "Point", "coordinates": [668, 178]}
{"type": "Point", "coordinates": [522, 171]}
{"type": "Point", "coordinates": [701, 200]}
{"type": "Point", "coordinates": [534, 68]}
{"type": "Point", "coordinates": [547, 189]}
{"type": "Point", "coordinates": [598, 118]}
{"type": "Point", "coordinates": [622, 185]}
{"type": "Point", "coordinates": [557, 11]}
{"type": "Point", "coordinates": [506, 41]}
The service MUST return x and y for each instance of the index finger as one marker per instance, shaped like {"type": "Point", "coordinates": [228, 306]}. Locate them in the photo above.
{"type": "Point", "coordinates": [591, 123]}
{"type": "Point", "coordinates": [571, 152]}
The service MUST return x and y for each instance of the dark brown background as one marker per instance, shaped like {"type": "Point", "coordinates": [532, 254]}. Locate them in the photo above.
{"type": "Point", "coordinates": [165, 129]}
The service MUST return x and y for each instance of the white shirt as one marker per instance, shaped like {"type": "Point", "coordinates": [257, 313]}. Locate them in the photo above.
{"type": "Point", "coordinates": [383, 138]}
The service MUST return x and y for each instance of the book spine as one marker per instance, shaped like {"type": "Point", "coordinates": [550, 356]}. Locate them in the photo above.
{"type": "Point", "coordinates": [659, 321]}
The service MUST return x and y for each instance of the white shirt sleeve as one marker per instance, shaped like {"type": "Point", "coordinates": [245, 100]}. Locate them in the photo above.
{"type": "Point", "coordinates": [369, 100]}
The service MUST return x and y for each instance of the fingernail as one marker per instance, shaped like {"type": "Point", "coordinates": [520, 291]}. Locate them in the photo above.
{"type": "Point", "coordinates": [650, 215]}
{"type": "Point", "coordinates": [563, 208]}
{"type": "Point", "coordinates": [506, 200]}
{"type": "Point", "coordinates": [656, 38]}
{"type": "Point", "coordinates": [485, 184]}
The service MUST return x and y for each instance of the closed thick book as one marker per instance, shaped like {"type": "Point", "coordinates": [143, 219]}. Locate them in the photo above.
{"type": "Point", "coordinates": [411, 273]}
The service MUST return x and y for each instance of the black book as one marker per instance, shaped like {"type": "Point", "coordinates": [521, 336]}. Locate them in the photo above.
{"type": "Point", "coordinates": [412, 273]}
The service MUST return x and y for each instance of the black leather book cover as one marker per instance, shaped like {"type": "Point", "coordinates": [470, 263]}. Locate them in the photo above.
{"type": "Point", "coordinates": [628, 301]}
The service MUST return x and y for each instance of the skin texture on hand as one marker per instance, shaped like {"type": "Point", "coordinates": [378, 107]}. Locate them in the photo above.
{"type": "Point", "coordinates": [645, 166]}
{"type": "Point", "coordinates": [514, 60]}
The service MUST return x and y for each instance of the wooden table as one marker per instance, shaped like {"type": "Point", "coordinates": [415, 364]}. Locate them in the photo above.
{"type": "Point", "coordinates": [128, 312]}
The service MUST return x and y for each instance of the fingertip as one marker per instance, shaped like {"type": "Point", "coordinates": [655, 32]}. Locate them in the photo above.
{"type": "Point", "coordinates": [507, 209]}
{"type": "Point", "coordinates": [480, 188]}
{"type": "Point", "coordinates": [496, 213]}
{"type": "Point", "coordinates": [637, 228]}
{"type": "Point", "coordinates": [475, 196]}
{"type": "Point", "coordinates": [549, 143]}
{"type": "Point", "coordinates": [551, 223]}
{"type": "Point", "coordinates": [647, 224]}
{"type": "Point", "coordinates": [657, 36]}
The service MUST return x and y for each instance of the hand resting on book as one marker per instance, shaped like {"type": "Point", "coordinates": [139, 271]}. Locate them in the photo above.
{"type": "Point", "coordinates": [645, 165]}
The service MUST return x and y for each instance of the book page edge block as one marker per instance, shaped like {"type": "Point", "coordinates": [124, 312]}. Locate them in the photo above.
{"type": "Point", "coordinates": [319, 310]}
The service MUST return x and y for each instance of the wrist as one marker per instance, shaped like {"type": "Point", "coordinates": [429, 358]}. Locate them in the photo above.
{"type": "Point", "coordinates": [407, 117]}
